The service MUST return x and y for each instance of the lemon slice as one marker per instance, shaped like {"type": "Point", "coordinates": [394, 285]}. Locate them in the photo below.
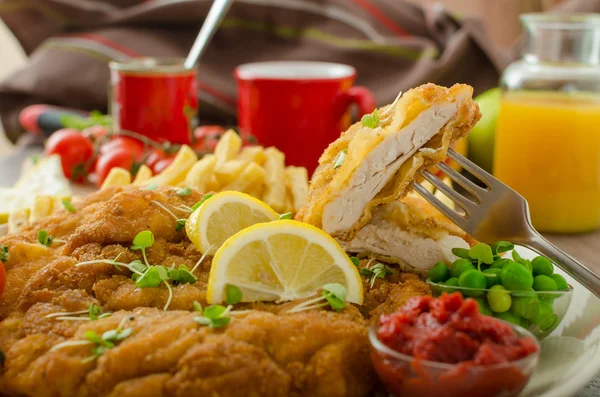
{"type": "Point", "coordinates": [222, 216]}
{"type": "Point", "coordinates": [281, 260]}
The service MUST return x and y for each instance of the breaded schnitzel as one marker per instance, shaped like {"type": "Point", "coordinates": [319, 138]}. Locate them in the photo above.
{"type": "Point", "coordinates": [263, 351]}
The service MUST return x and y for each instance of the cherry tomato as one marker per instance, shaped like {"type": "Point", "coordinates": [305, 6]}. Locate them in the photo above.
{"type": "Point", "coordinates": [2, 278]}
{"type": "Point", "coordinates": [154, 157]}
{"type": "Point", "coordinates": [119, 157]}
{"type": "Point", "coordinates": [162, 165]}
{"type": "Point", "coordinates": [132, 145]}
{"type": "Point", "coordinates": [207, 137]}
{"type": "Point", "coordinates": [75, 151]}
{"type": "Point", "coordinates": [96, 132]}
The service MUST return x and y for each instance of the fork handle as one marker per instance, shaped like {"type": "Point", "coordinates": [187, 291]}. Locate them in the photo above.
{"type": "Point", "coordinates": [571, 266]}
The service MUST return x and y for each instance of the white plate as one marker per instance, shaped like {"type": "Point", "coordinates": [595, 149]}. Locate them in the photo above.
{"type": "Point", "coordinates": [570, 356]}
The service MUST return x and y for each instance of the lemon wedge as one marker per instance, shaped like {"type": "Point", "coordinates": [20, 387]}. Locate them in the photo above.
{"type": "Point", "coordinates": [223, 215]}
{"type": "Point", "coordinates": [280, 261]}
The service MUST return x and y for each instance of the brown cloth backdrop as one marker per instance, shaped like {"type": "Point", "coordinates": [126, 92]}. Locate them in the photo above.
{"type": "Point", "coordinates": [394, 44]}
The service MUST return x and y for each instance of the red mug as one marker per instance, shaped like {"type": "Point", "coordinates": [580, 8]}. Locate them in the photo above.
{"type": "Point", "coordinates": [298, 107]}
{"type": "Point", "coordinates": [156, 97]}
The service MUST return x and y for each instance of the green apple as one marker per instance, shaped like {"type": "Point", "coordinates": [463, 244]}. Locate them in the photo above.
{"type": "Point", "coordinates": [483, 135]}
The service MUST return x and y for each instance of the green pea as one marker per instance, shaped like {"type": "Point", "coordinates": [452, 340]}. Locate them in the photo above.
{"type": "Point", "coordinates": [451, 282]}
{"type": "Point", "coordinates": [544, 283]}
{"type": "Point", "coordinates": [492, 276]}
{"type": "Point", "coordinates": [439, 272]}
{"type": "Point", "coordinates": [516, 277]}
{"type": "Point", "coordinates": [484, 307]}
{"type": "Point", "coordinates": [472, 279]}
{"type": "Point", "coordinates": [499, 299]}
{"type": "Point", "coordinates": [561, 283]}
{"type": "Point", "coordinates": [500, 263]}
{"type": "Point", "coordinates": [542, 265]}
{"type": "Point", "coordinates": [525, 306]}
{"type": "Point", "coordinates": [460, 266]}
{"type": "Point", "coordinates": [526, 264]}
{"type": "Point", "coordinates": [508, 316]}
{"type": "Point", "coordinates": [525, 323]}
{"type": "Point", "coordinates": [545, 318]}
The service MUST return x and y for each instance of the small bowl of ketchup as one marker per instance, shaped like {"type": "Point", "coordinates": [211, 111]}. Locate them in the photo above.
{"type": "Point", "coordinates": [444, 347]}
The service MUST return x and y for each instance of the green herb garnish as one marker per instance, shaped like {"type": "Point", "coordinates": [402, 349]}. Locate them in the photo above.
{"type": "Point", "coordinates": [379, 270]}
{"type": "Point", "coordinates": [482, 253]}
{"type": "Point", "coordinates": [233, 294]}
{"type": "Point", "coordinates": [184, 191]}
{"type": "Point", "coordinates": [180, 224]}
{"type": "Point", "coordinates": [80, 123]}
{"type": "Point", "coordinates": [202, 200]}
{"type": "Point", "coordinates": [340, 159]}
{"type": "Point", "coordinates": [152, 186]}
{"type": "Point", "coordinates": [181, 275]}
{"type": "Point", "coordinates": [69, 206]}
{"type": "Point", "coordinates": [215, 316]}
{"type": "Point", "coordinates": [355, 261]}
{"type": "Point", "coordinates": [370, 120]}
{"type": "Point", "coordinates": [44, 239]}
{"type": "Point", "coordinates": [4, 254]}
{"type": "Point", "coordinates": [143, 240]}
{"type": "Point", "coordinates": [287, 215]}
{"type": "Point", "coordinates": [334, 294]}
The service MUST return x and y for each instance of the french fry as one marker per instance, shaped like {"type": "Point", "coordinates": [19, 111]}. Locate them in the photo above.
{"type": "Point", "coordinates": [228, 147]}
{"type": "Point", "coordinates": [253, 153]}
{"type": "Point", "coordinates": [42, 206]}
{"type": "Point", "coordinates": [228, 172]}
{"type": "Point", "coordinates": [274, 194]}
{"type": "Point", "coordinates": [213, 185]}
{"type": "Point", "coordinates": [177, 170]}
{"type": "Point", "coordinates": [117, 177]}
{"type": "Point", "coordinates": [289, 201]}
{"type": "Point", "coordinates": [17, 221]}
{"type": "Point", "coordinates": [252, 175]}
{"type": "Point", "coordinates": [256, 191]}
{"type": "Point", "coordinates": [143, 175]}
{"type": "Point", "coordinates": [297, 182]}
{"type": "Point", "coordinates": [201, 174]}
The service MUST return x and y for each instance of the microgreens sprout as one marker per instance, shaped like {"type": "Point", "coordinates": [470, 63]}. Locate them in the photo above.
{"type": "Point", "coordinates": [44, 239]}
{"type": "Point", "coordinates": [143, 240]}
{"type": "Point", "coordinates": [152, 186]}
{"type": "Point", "coordinates": [233, 294]}
{"type": "Point", "coordinates": [201, 259]}
{"type": "Point", "coordinates": [181, 275]}
{"type": "Point", "coordinates": [34, 159]}
{"type": "Point", "coordinates": [180, 224]}
{"type": "Point", "coordinates": [370, 120]}
{"type": "Point", "coordinates": [4, 254]}
{"type": "Point", "coordinates": [184, 191]}
{"type": "Point", "coordinates": [215, 316]}
{"type": "Point", "coordinates": [379, 270]}
{"type": "Point", "coordinates": [101, 343]}
{"type": "Point", "coordinates": [482, 253]}
{"type": "Point", "coordinates": [202, 200]}
{"type": "Point", "coordinates": [133, 266]}
{"type": "Point", "coordinates": [94, 312]}
{"type": "Point", "coordinates": [355, 261]}
{"type": "Point", "coordinates": [69, 206]}
{"type": "Point", "coordinates": [487, 254]}
{"type": "Point", "coordinates": [287, 215]}
{"type": "Point", "coordinates": [340, 159]}
{"type": "Point", "coordinates": [334, 294]}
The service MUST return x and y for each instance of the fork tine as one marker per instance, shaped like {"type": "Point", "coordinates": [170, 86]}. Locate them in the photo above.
{"type": "Point", "coordinates": [452, 194]}
{"type": "Point", "coordinates": [443, 208]}
{"type": "Point", "coordinates": [475, 170]}
{"type": "Point", "coordinates": [462, 181]}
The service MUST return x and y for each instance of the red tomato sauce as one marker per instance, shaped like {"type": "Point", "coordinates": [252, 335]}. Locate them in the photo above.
{"type": "Point", "coordinates": [451, 330]}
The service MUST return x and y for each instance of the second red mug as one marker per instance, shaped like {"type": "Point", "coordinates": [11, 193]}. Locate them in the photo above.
{"type": "Point", "coordinates": [298, 107]}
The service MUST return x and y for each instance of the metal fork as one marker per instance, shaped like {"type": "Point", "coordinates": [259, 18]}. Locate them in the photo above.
{"type": "Point", "coordinates": [497, 212]}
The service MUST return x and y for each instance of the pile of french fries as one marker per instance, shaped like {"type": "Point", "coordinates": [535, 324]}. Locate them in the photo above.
{"type": "Point", "coordinates": [254, 170]}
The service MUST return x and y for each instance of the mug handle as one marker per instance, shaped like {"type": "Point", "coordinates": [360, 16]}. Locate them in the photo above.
{"type": "Point", "coordinates": [363, 98]}
{"type": "Point", "coordinates": [358, 95]}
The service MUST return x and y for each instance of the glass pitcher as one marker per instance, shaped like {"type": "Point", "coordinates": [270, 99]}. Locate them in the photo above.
{"type": "Point", "coordinates": [548, 135]}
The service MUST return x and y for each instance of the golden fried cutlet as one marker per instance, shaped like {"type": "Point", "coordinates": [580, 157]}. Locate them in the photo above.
{"type": "Point", "coordinates": [262, 352]}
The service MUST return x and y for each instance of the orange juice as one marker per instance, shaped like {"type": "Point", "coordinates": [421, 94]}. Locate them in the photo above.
{"type": "Point", "coordinates": [548, 149]}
